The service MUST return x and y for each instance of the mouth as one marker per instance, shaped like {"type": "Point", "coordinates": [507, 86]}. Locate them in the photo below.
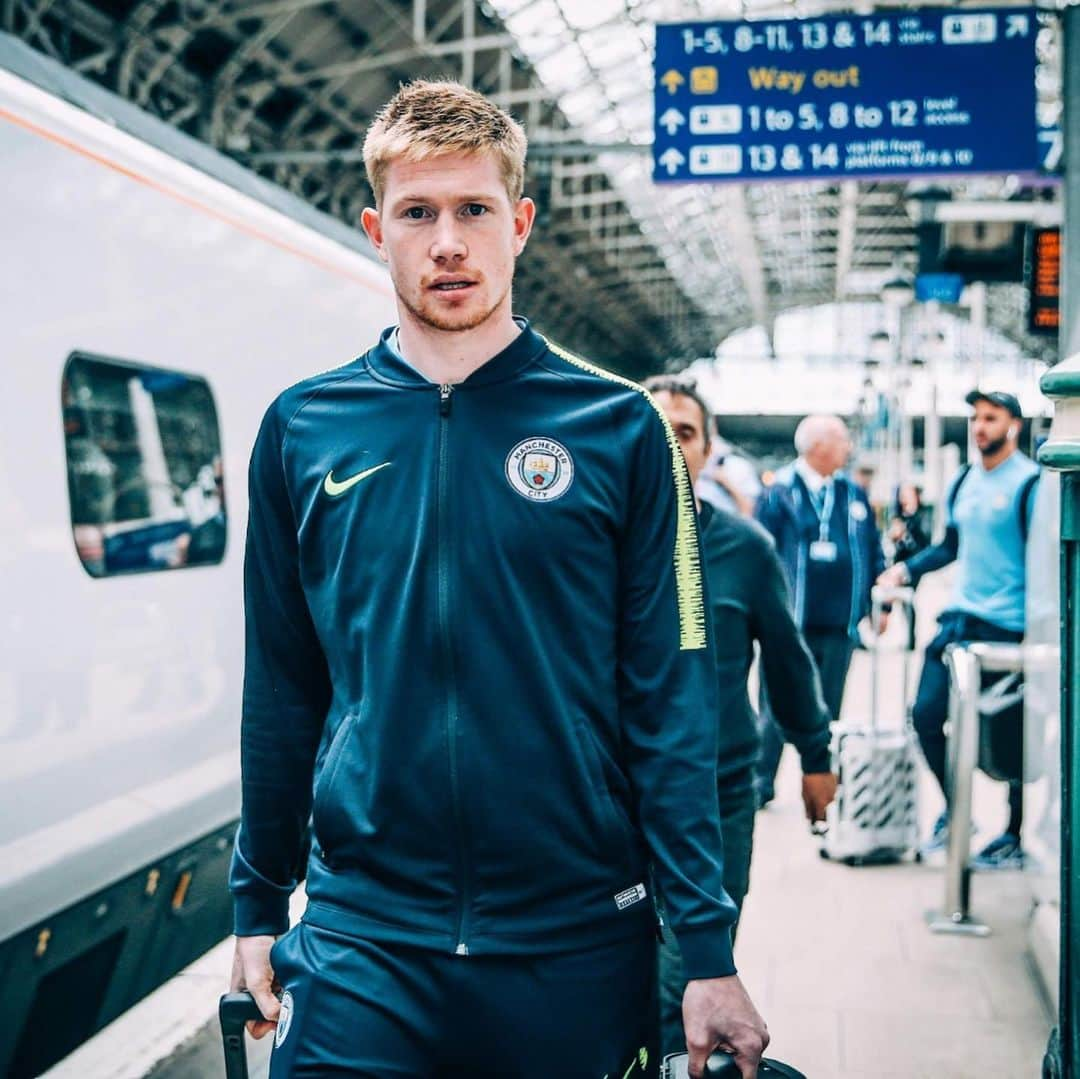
{"type": "Point", "coordinates": [451, 284]}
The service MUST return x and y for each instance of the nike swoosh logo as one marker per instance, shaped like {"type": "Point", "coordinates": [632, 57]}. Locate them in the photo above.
{"type": "Point", "coordinates": [335, 489]}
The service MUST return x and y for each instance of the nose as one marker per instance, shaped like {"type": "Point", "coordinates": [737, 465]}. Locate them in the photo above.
{"type": "Point", "coordinates": [448, 245]}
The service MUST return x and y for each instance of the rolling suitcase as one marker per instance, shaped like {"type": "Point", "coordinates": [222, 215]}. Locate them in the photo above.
{"type": "Point", "coordinates": [723, 1066]}
{"type": "Point", "coordinates": [874, 818]}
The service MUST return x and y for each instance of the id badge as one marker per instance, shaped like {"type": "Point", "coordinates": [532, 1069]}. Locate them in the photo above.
{"type": "Point", "coordinates": [823, 551]}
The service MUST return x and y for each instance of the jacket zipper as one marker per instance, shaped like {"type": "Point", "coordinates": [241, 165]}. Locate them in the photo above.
{"type": "Point", "coordinates": [462, 947]}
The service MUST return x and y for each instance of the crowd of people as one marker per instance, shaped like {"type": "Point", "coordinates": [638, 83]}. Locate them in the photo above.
{"type": "Point", "coordinates": [498, 654]}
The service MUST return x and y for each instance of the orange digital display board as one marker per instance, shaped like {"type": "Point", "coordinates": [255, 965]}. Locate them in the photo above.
{"type": "Point", "coordinates": [1044, 281]}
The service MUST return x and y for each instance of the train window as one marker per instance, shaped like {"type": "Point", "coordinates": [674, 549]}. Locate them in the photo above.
{"type": "Point", "coordinates": [144, 467]}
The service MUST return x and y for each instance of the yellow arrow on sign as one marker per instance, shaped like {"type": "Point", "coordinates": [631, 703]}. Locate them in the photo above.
{"type": "Point", "coordinates": [672, 80]}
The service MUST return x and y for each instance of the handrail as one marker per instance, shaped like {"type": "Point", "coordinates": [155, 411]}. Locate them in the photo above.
{"type": "Point", "coordinates": [966, 664]}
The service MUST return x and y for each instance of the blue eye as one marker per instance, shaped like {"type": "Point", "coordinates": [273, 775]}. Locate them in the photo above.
{"type": "Point", "coordinates": [415, 213]}
{"type": "Point", "coordinates": [474, 209]}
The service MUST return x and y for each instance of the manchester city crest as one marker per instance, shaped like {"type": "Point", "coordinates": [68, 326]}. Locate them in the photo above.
{"type": "Point", "coordinates": [540, 469]}
{"type": "Point", "coordinates": [285, 1018]}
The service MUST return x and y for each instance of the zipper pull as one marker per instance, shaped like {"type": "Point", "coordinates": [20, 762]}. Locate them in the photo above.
{"type": "Point", "coordinates": [444, 398]}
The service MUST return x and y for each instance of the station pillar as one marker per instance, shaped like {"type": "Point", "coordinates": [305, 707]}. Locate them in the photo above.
{"type": "Point", "coordinates": [1061, 452]}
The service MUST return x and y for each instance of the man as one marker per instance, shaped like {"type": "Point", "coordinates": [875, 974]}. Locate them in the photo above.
{"type": "Point", "coordinates": [863, 475]}
{"type": "Point", "coordinates": [749, 601]}
{"type": "Point", "coordinates": [829, 545]}
{"type": "Point", "coordinates": [987, 510]}
{"type": "Point", "coordinates": [475, 616]}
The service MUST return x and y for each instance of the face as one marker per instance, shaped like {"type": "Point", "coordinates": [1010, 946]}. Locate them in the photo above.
{"type": "Point", "coordinates": [909, 498]}
{"type": "Point", "coordinates": [990, 426]}
{"type": "Point", "coordinates": [831, 452]}
{"type": "Point", "coordinates": [689, 426]}
{"type": "Point", "coordinates": [449, 235]}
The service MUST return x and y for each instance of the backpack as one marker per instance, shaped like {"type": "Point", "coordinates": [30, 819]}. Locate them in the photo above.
{"type": "Point", "coordinates": [1025, 494]}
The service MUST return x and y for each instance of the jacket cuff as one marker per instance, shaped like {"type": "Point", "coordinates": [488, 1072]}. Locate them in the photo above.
{"type": "Point", "coordinates": [260, 906]}
{"type": "Point", "coordinates": [260, 915]}
{"type": "Point", "coordinates": [706, 953]}
{"type": "Point", "coordinates": [816, 759]}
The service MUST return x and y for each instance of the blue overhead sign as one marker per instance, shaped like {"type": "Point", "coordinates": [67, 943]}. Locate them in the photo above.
{"type": "Point", "coordinates": [928, 91]}
{"type": "Point", "coordinates": [942, 287]}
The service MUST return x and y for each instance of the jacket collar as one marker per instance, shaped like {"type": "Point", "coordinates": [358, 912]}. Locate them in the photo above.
{"type": "Point", "coordinates": [387, 366]}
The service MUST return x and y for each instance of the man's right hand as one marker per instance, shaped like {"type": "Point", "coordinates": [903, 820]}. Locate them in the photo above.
{"type": "Point", "coordinates": [251, 970]}
{"type": "Point", "coordinates": [818, 790]}
{"type": "Point", "coordinates": [718, 1014]}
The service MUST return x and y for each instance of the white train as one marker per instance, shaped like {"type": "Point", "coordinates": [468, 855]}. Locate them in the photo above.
{"type": "Point", "coordinates": [154, 297]}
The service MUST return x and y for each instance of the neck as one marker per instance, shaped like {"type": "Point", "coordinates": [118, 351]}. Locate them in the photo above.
{"type": "Point", "coordinates": [990, 461]}
{"type": "Point", "coordinates": [450, 356]}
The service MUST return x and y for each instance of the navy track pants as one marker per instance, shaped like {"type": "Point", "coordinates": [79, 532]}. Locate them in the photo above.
{"type": "Point", "coordinates": [369, 1010]}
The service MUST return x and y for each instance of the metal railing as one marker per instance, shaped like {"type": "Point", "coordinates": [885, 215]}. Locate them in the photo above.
{"type": "Point", "coordinates": [967, 664]}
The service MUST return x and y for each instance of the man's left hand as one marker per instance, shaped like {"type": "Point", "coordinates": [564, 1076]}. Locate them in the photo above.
{"type": "Point", "coordinates": [718, 1014]}
{"type": "Point", "coordinates": [818, 790]}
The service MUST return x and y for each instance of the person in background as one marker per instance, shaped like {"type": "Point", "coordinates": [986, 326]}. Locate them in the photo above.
{"type": "Point", "coordinates": [862, 475]}
{"type": "Point", "coordinates": [749, 603]}
{"type": "Point", "coordinates": [728, 481]}
{"type": "Point", "coordinates": [988, 506]}
{"type": "Point", "coordinates": [909, 533]}
{"type": "Point", "coordinates": [909, 529]}
{"type": "Point", "coordinates": [830, 548]}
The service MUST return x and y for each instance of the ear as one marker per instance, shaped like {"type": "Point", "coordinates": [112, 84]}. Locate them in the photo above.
{"type": "Point", "coordinates": [524, 216]}
{"type": "Point", "coordinates": [372, 223]}
{"type": "Point", "coordinates": [1014, 431]}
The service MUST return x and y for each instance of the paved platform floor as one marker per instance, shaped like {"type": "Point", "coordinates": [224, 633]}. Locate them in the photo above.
{"type": "Point", "coordinates": [839, 960]}
{"type": "Point", "coordinates": [852, 983]}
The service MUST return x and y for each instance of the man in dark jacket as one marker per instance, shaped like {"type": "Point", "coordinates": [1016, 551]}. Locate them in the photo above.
{"type": "Point", "coordinates": [748, 601]}
{"type": "Point", "coordinates": [829, 544]}
{"type": "Point", "coordinates": [476, 651]}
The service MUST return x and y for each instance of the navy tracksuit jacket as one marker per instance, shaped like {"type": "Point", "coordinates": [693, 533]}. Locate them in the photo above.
{"type": "Point", "coordinates": [475, 614]}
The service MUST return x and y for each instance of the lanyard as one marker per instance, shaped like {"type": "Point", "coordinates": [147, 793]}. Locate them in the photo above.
{"type": "Point", "coordinates": [824, 511]}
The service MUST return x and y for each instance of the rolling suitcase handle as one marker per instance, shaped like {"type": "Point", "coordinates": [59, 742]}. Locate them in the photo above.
{"type": "Point", "coordinates": [879, 597]}
{"type": "Point", "coordinates": [234, 1010]}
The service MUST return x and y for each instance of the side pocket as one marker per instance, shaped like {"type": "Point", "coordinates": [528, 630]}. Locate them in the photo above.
{"type": "Point", "coordinates": [617, 821]}
{"type": "Point", "coordinates": [325, 783]}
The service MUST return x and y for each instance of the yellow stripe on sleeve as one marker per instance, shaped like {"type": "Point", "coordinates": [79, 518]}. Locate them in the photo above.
{"type": "Point", "coordinates": [689, 590]}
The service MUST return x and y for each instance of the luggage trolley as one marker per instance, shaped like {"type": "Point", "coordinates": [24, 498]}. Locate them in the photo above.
{"type": "Point", "coordinates": [874, 818]}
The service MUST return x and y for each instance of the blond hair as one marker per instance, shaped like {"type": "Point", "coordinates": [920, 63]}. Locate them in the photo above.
{"type": "Point", "coordinates": [428, 119]}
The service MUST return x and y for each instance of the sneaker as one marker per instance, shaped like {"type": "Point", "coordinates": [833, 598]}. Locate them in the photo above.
{"type": "Point", "coordinates": [1004, 852]}
{"type": "Point", "coordinates": [938, 842]}
{"type": "Point", "coordinates": [939, 837]}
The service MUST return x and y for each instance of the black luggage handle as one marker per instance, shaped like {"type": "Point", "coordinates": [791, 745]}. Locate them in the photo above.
{"type": "Point", "coordinates": [721, 1065]}
{"type": "Point", "coordinates": [234, 1010]}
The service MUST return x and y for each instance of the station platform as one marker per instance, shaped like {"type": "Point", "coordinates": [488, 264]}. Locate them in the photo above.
{"type": "Point", "coordinates": [838, 959]}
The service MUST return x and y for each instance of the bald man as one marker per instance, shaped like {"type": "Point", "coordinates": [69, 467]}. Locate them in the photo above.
{"type": "Point", "coordinates": [830, 547]}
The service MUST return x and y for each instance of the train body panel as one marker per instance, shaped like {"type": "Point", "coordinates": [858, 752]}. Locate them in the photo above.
{"type": "Point", "coordinates": [187, 305]}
